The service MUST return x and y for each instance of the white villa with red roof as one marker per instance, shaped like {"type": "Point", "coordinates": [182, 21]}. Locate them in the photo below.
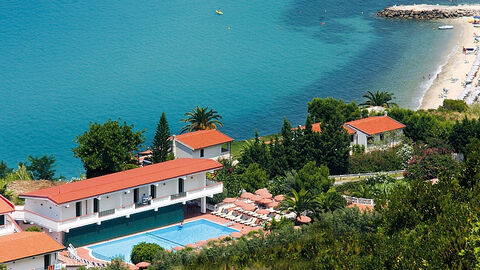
{"type": "Point", "coordinates": [368, 131]}
{"type": "Point", "coordinates": [121, 203]}
{"type": "Point", "coordinates": [21, 250]}
{"type": "Point", "coordinates": [373, 129]}
{"type": "Point", "coordinates": [210, 144]}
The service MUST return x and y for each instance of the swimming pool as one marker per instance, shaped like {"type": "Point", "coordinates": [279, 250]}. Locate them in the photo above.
{"type": "Point", "coordinates": [167, 238]}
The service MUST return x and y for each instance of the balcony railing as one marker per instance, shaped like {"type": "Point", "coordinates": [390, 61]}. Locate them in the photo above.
{"type": "Point", "coordinates": [106, 212]}
{"type": "Point", "coordinates": [123, 210]}
{"type": "Point", "coordinates": [178, 195]}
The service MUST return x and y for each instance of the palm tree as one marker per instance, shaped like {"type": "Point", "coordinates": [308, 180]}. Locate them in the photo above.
{"type": "Point", "coordinates": [378, 98]}
{"type": "Point", "coordinates": [299, 203]}
{"type": "Point", "coordinates": [201, 118]}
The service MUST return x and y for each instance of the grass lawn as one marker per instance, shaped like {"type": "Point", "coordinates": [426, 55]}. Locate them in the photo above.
{"type": "Point", "coordinates": [237, 146]}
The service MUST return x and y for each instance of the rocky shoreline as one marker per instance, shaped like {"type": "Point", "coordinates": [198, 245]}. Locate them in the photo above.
{"type": "Point", "coordinates": [429, 12]}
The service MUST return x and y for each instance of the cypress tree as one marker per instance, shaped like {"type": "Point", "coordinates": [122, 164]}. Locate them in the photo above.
{"type": "Point", "coordinates": [335, 143]}
{"type": "Point", "coordinates": [161, 147]}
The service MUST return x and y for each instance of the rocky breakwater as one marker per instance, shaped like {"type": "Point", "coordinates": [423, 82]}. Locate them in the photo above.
{"type": "Point", "coordinates": [429, 12]}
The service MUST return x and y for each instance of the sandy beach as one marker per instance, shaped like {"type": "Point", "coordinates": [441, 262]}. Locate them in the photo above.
{"type": "Point", "coordinates": [454, 72]}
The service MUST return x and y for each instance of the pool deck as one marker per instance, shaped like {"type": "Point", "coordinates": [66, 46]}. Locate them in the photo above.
{"type": "Point", "coordinates": [84, 252]}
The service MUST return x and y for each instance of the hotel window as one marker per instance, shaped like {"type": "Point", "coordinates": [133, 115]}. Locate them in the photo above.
{"type": "Point", "coordinates": [382, 136]}
{"type": "Point", "coordinates": [2, 220]}
{"type": "Point", "coordinates": [180, 185]}
{"type": "Point", "coordinates": [136, 195]}
{"type": "Point", "coordinates": [95, 205]}
{"type": "Point", "coordinates": [202, 152]}
{"type": "Point", "coordinates": [153, 191]}
{"type": "Point", "coordinates": [46, 261]}
{"type": "Point", "coordinates": [78, 209]}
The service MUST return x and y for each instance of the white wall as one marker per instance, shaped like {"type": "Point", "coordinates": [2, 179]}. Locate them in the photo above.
{"type": "Point", "coordinates": [181, 151]}
{"type": "Point", "coordinates": [43, 207]}
{"type": "Point", "coordinates": [110, 201]}
{"type": "Point", "coordinates": [167, 187]}
{"type": "Point", "coordinates": [30, 263]}
{"type": "Point", "coordinates": [195, 181]}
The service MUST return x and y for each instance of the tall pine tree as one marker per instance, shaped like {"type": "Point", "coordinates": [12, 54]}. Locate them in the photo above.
{"type": "Point", "coordinates": [161, 147]}
{"type": "Point", "coordinates": [335, 144]}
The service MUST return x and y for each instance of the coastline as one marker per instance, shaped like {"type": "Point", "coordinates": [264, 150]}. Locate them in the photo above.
{"type": "Point", "coordinates": [452, 73]}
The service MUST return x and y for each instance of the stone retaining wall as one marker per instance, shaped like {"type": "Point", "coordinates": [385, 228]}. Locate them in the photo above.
{"type": "Point", "coordinates": [429, 13]}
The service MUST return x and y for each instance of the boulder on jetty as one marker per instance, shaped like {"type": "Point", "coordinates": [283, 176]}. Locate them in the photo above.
{"type": "Point", "coordinates": [429, 12]}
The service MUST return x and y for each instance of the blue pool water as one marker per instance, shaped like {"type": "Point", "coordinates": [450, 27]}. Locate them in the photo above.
{"type": "Point", "coordinates": [167, 238]}
{"type": "Point", "coordinates": [66, 63]}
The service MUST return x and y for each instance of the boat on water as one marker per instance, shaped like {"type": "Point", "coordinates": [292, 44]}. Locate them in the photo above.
{"type": "Point", "coordinates": [219, 12]}
{"type": "Point", "coordinates": [445, 27]}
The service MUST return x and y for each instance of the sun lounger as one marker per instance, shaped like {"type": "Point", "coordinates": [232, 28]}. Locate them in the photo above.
{"type": "Point", "coordinates": [227, 215]}
{"type": "Point", "coordinates": [251, 222]}
{"type": "Point", "coordinates": [219, 210]}
{"type": "Point", "coordinates": [247, 220]}
{"type": "Point", "coordinates": [234, 215]}
{"type": "Point", "coordinates": [243, 218]}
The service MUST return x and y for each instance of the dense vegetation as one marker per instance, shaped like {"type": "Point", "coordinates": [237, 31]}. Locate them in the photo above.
{"type": "Point", "coordinates": [416, 224]}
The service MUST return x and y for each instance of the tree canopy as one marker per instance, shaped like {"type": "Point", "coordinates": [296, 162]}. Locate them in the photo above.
{"type": "Point", "coordinates": [383, 99]}
{"type": "Point", "coordinates": [108, 147]}
{"type": "Point", "coordinates": [41, 167]}
{"type": "Point", "coordinates": [201, 118]}
{"type": "Point", "coordinates": [161, 146]}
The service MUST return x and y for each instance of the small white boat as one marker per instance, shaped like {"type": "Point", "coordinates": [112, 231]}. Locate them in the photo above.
{"type": "Point", "coordinates": [445, 27]}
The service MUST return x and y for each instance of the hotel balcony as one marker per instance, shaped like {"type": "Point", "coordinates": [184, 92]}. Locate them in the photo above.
{"type": "Point", "coordinates": [8, 227]}
{"type": "Point", "coordinates": [117, 209]}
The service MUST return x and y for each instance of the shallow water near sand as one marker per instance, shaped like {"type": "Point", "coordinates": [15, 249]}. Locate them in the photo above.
{"type": "Point", "coordinates": [64, 64]}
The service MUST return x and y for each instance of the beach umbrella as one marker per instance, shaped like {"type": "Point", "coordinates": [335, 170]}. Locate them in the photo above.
{"type": "Point", "coordinates": [263, 212]}
{"type": "Point", "coordinates": [229, 200]}
{"type": "Point", "coordinates": [265, 201]}
{"type": "Point", "coordinates": [212, 240]}
{"type": "Point", "coordinates": [248, 207]}
{"type": "Point", "coordinates": [191, 245]}
{"type": "Point", "coordinates": [279, 198]}
{"type": "Point", "coordinates": [273, 204]}
{"type": "Point", "coordinates": [200, 243]}
{"type": "Point", "coordinates": [236, 234]}
{"type": "Point", "coordinates": [266, 195]}
{"type": "Point", "coordinates": [246, 231]}
{"type": "Point", "coordinates": [261, 191]}
{"type": "Point", "coordinates": [304, 219]}
{"type": "Point", "coordinates": [240, 203]}
{"type": "Point", "coordinates": [256, 198]}
{"type": "Point", "coordinates": [178, 248]}
{"type": "Point", "coordinates": [246, 195]}
{"type": "Point", "coordinates": [143, 265]}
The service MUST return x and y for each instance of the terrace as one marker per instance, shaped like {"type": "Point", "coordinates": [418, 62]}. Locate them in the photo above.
{"type": "Point", "coordinates": [110, 206]}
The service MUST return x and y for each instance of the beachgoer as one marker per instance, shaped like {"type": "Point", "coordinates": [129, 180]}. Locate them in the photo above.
{"type": "Point", "coordinates": [181, 224]}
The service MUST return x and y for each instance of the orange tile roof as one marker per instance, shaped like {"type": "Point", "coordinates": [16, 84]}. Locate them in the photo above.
{"type": "Point", "coordinates": [316, 128]}
{"type": "Point", "coordinates": [20, 245]}
{"type": "Point", "coordinates": [203, 138]}
{"type": "Point", "coordinates": [5, 205]}
{"type": "Point", "coordinates": [124, 180]}
{"type": "Point", "coordinates": [375, 124]}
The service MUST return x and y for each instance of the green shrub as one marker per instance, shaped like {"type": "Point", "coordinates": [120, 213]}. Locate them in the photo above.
{"type": "Point", "coordinates": [144, 252]}
{"type": "Point", "coordinates": [430, 164]}
{"type": "Point", "coordinates": [376, 161]}
{"type": "Point", "coordinates": [33, 229]}
{"type": "Point", "coordinates": [454, 105]}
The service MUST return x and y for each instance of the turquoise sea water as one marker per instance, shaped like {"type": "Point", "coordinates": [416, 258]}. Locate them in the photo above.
{"type": "Point", "coordinates": [168, 238]}
{"type": "Point", "coordinates": [66, 63]}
